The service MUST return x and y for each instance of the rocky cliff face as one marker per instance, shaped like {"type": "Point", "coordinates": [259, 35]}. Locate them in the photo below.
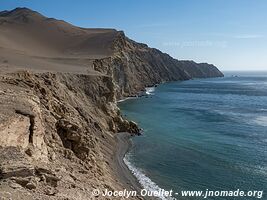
{"type": "Point", "coordinates": [135, 66]}
{"type": "Point", "coordinates": [57, 126]}
{"type": "Point", "coordinates": [57, 134]}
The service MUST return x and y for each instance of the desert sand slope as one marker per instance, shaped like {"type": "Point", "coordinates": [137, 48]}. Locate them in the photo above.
{"type": "Point", "coordinates": [33, 34]}
{"type": "Point", "coordinates": [59, 85]}
{"type": "Point", "coordinates": [28, 39]}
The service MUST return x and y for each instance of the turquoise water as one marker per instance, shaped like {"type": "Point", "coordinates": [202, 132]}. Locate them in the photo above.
{"type": "Point", "coordinates": [202, 134]}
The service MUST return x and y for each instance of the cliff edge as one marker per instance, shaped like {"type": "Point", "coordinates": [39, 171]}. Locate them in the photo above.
{"type": "Point", "coordinates": [59, 85]}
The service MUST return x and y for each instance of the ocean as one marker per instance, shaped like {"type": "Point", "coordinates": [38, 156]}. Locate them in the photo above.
{"type": "Point", "coordinates": [202, 134]}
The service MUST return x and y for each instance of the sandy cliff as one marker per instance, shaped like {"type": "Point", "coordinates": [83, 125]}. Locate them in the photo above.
{"type": "Point", "coordinates": [58, 90]}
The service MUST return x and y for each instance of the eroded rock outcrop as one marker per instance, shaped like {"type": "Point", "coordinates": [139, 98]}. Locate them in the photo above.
{"type": "Point", "coordinates": [50, 121]}
{"type": "Point", "coordinates": [21, 123]}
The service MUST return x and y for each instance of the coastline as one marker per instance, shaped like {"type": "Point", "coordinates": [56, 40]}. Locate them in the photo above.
{"type": "Point", "coordinates": [122, 172]}
{"type": "Point", "coordinates": [217, 113]}
{"type": "Point", "coordinates": [123, 144]}
{"type": "Point", "coordinates": [59, 118]}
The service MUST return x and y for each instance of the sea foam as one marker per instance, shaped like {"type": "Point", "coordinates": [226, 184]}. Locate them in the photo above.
{"type": "Point", "coordinates": [145, 182]}
{"type": "Point", "coordinates": [150, 90]}
{"type": "Point", "coordinates": [122, 100]}
{"type": "Point", "coordinates": [261, 120]}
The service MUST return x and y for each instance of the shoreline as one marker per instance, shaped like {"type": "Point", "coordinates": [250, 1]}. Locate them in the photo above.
{"type": "Point", "coordinates": [123, 144]}
{"type": "Point", "coordinates": [122, 172]}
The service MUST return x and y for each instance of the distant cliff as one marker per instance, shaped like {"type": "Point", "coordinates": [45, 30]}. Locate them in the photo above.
{"type": "Point", "coordinates": [135, 66]}
{"type": "Point", "coordinates": [59, 85]}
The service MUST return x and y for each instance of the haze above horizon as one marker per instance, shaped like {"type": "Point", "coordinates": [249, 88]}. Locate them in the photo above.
{"type": "Point", "coordinates": [230, 34]}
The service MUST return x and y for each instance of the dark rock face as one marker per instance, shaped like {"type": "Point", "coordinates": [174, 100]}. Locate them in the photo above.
{"type": "Point", "coordinates": [200, 70]}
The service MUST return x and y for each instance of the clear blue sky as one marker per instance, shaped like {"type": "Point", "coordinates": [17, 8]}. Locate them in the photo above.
{"type": "Point", "coordinates": [231, 34]}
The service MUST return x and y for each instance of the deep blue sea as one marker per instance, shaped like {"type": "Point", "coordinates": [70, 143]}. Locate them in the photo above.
{"type": "Point", "coordinates": [202, 134]}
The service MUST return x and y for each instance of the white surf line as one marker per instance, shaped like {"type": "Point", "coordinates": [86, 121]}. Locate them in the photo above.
{"type": "Point", "coordinates": [145, 182]}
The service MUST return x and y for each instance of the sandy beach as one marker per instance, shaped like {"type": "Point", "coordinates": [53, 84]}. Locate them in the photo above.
{"type": "Point", "coordinates": [123, 173]}
{"type": "Point", "coordinates": [125, 176]}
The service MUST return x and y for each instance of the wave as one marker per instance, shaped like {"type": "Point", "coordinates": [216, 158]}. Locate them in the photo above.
{"type": "Point", "coordinates": [122, 100]}
{"type": "Point", "coordinates": [150, 90]}
{"type": "Point", "coordinates": [262, 170]}
{"type": "Point", "coordinates": [145, 182]}
{"type": "Point", "coordinates": [261, 120]}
